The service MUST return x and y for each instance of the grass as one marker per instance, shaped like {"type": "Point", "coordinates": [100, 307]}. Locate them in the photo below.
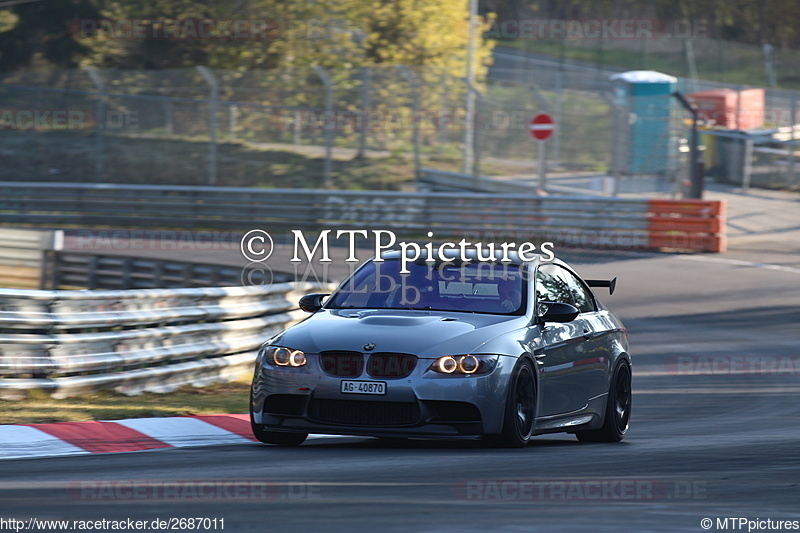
{"type": "Point", "coordinates": [69, 156]}
{"type": "Point", "coordinates": [724, 62]}
{"type": "Point", "coordinates": [105, 405]}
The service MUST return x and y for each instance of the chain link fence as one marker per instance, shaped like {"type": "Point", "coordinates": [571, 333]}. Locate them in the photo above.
{"type": "Point", "coordinates": [688, 53]}
{"type": "Point", "coordinates": [369, 128]}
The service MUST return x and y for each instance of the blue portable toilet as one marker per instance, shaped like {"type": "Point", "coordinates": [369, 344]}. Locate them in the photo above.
{"type": "Point", "coordinates": [642, 112]}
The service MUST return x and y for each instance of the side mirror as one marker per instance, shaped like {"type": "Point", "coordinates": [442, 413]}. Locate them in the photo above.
{"type": "Point", "coordinates": [311, 303]}
{"type": "Point", "coordinates": [559, 312]}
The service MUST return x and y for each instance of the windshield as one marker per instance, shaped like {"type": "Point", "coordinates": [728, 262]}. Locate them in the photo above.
{"type": "Point", "coordinates": [470, 287]}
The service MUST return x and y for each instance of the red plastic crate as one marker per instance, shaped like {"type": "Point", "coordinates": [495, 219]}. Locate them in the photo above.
{"type": "Point", "coordinates": [731, 109]}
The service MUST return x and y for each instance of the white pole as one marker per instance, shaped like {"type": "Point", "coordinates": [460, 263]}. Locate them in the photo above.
{"type": "Point", "coordinates": [470, 103]}
{"type": "Point", "coordinates": [542, 166]}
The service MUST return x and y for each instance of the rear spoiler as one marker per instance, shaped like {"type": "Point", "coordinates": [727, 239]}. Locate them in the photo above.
{"type": "Point", "coordinates": [610, 283]}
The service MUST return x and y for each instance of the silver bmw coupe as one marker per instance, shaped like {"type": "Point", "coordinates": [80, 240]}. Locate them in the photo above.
{"type": "Point", "coordinates": [501, 350]}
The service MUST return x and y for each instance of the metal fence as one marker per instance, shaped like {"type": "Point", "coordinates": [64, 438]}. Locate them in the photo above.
{"type": "Point", "coordinates": [578, 221]}
{"type": "Point", "coordinates": [202, 126]}
{"type": "Point", "coordinates": [682, 54]}
{"type": "Point", "coordinates": [68, 342]}
{"type": "Point", "coordinates": [314, 128]}
{"type": "Point", "coordinates": [70, 270]}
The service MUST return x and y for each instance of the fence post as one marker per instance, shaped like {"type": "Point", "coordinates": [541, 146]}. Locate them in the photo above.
{"type": "Point", "coordinates": [769, 63]}
{"type": "Point", "coordinates": [555, 157]}
{"type": "Point", "coordinates": [412, 84]}
{"type": "Point", "coordinates": [213, 99]}
{"type": "Point", "coordinates": [476, 155]}
{"type": "Point", "coordinates": [296, 128]}
{"type": "Point", "coordinates": [362, 136]}
{"type": "Point", "coordinates": [168, 124]}
{"type": "Point", "coordinates": [792, 123]}
{"type": "Point", "coordinates": [100, 121]}
{"type": "Point", "coordinates": [233, 114]}
{"type": "Point", "coordinates": [469, 125]}
{"type": "Point", "coordinates": [328, 124]}
{"type": "Point", "coordinates": [738, 107]}
{"type": "Point", "coordinates": [691, 63]}
{"type": "Point", "coordinates": [747, 171]}
{"type": "Point", "coordinates": [443, 112]}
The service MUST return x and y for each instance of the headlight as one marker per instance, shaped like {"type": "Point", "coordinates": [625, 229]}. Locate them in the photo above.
{"type": "Point", "coordinates": [464, 364]}
{"type": "Point", "coordinates": [282, 356]}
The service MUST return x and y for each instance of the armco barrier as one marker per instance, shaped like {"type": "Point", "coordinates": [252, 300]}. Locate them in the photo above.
{"type": "Point", "coordinates": [580, 221]}
{"type": "Point", "coordinates": [443, 181]}
{"type": "Point", "coordinates": [67, 342]}
{"type": "Point", "coordinates": [70, 270]}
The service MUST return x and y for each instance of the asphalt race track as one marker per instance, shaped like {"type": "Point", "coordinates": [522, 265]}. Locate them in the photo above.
{"type": "Point", "coordinates": [715, 434]}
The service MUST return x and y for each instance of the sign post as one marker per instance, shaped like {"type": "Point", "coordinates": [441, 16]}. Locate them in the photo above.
{"type": "Point", "coordinates": [542, 127]}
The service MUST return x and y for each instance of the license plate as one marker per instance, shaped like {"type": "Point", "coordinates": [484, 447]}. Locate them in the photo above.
{"type": "Point", "coordinates": [363, 387]}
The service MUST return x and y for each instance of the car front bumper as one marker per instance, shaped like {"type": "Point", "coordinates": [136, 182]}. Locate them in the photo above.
{"type": "Point", "coordinates": [424, 404]}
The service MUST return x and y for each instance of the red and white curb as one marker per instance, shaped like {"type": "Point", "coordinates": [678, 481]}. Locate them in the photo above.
{"type": "Point", "coordinates": [135, 434]}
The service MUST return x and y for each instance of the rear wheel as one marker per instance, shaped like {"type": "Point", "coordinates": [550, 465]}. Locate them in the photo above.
{"type": "Point", "coordinates": [520, 409]}
{"type": "Point", "coordinates": [618, 409]}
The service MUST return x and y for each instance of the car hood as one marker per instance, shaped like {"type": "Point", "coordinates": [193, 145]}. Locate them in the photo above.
{"type": "Point", "coordinates": [423, 333]}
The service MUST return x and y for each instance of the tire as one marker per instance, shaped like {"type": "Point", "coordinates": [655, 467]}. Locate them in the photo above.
{"type": "Point", "coordinates": [520, 411]}
{"type": "Point", "coordinates": [618, 409]}
{"type": "Point", "coordinates": [278, 438]}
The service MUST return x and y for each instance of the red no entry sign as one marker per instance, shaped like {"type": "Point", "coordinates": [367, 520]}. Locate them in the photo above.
{"type": "Point", "coordinates": [542, 126]}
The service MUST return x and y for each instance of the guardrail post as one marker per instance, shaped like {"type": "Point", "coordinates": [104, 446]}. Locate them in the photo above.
{"type": "Point", "coordinates": [100, 121]}
{"type": "Point", "coordinates": [127, 268]}
{"type": "Point", "coordinates": [412, 84]}
{"type": "Point", "coordinates": [329, 121]}
{"type": "Point", "coordinates": [213, 102]}
{"type": "Point", "coordinates": [91, 273]}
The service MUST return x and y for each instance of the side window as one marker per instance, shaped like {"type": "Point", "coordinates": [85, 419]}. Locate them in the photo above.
{"type": "Point", "coordinates": [581, 298]}
{"type": "Point", "coordinates": [550, 287]}
{"type": "Point", "coordinates": [557, 284]}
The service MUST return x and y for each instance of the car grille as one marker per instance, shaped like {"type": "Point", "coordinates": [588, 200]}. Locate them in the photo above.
{"type": "Point", "coordinates": [342, 364]}
{"type": "Point", "coordinates": [391, 365]}
{"type": "Point", "coordinates": [364, 413]}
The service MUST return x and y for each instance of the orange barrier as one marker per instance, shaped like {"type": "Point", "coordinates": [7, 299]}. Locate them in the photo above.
{"type": "Point", "coordinates": [697, 225]}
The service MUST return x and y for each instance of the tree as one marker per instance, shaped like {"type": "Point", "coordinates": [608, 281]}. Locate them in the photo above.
{"type": "Point", "coordinates": [40, 32]}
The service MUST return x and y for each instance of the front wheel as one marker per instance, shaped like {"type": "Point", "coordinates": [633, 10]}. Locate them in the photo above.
{"type": "Point", "coordinates": [618, 409]}
{"type": "Point", "coordinates": [520, 409]}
